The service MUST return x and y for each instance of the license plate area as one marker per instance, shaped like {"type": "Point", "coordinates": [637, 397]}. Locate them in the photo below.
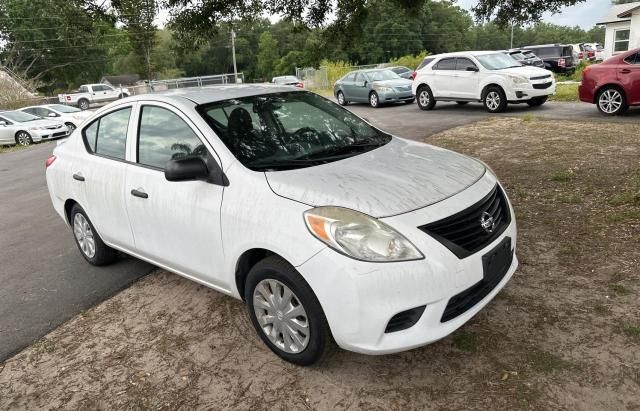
{"type": "Point", "coordinates": [497, 262]}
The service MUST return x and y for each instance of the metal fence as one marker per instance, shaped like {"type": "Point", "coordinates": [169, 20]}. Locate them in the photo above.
{"type": "Point", "coordinates": [325, 76]}
{"type": "Point", "coordinates": [186, 82]}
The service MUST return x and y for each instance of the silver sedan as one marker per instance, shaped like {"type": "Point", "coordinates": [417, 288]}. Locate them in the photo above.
{"type": "Point", "coordinates": [24, 129]}
{"type": "Point", "coordinates": [376, 87]}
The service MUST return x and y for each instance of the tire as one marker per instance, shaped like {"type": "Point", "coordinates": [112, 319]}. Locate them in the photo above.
{"type": "Point", "coordinates": [537, 101]}
{"type": "Point", "coordinates": [270, 277]}
{"type": "Point", "coordinates": [612, 101]}
{"type": "Point", "coordinates": [341, 99]}
{"type": "Point", "coordinates": [91, 246]}
{"type": "Point", "coordinates": [462, 103]}
{"type": "Point", "coordinates": [23, 138]}
{"type": "Point", "coordinates": [72, 127]}
{"type": "Point", "coordinates": [413, 100]}
{"type": "Point", "coordinates": [83, 104]}
{"type": "Point", "coordinates": [425, 98]}
{"type": "Point", "coordinates": [374, 99]}
{"type": "Point", "coordinates": [494, 100]}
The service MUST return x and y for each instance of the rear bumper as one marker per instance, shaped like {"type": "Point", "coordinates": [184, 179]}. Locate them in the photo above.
{"type": "Point", "coordinates": [586, 94]}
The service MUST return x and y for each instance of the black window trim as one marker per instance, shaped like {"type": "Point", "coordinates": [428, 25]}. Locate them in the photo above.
{"type": "Point", "coordinates": [92, 152]}
{"type": "Point", "coordinates": [435, 66]}
{"type": "Point", "coordinates": [465, 58]}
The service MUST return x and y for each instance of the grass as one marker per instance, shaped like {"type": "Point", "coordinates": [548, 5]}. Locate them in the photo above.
{"type": "Point", "coordinates": [528, 117]}
{"type": "Point", "coordinates": [562, 176]}
{"type": "Point", "coordinates": [626, 197]}
{"type": "Point", "coordinates": [569, 198]}
{"type": "Point", "coordinates": [466, 341]}
{"type": "Point", "coordinates": [632, 330]}
{"type": "Point", "coordinates": [9, 149]}
{"type": "Point", "coordinates": [543, 361]}
{"type": "Point", "coordinates": [619, 289]}
{"type": "Point", "coordinates": [622, 216]}
{"type": "Point", "coordinates": [566, 92]}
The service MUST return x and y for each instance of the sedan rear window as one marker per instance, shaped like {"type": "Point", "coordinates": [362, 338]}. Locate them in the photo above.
{"type": "Point", "coordinates": [290, 130]}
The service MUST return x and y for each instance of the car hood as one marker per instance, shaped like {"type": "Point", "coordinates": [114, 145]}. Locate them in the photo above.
{"type": "Point", "coordinates": [393, 83]}
{"type": "Point", "coordinates": [399, 177]}
{"type": "Point", "coordinates": [527, 71]}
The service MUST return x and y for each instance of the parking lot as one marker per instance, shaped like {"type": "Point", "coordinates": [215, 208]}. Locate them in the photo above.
{"type": "Point", "coordinates": [564, 333]}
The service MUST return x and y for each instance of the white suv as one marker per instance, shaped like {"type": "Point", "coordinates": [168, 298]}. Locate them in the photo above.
{"type": "Point", "coordinates": [490, 77]}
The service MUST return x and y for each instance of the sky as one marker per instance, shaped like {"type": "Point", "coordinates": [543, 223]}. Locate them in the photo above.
{"type": "Point", "coordinates": [585, 14]}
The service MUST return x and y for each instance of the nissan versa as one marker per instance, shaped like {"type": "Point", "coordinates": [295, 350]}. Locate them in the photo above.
{"type": "Point", "coordinates": [325, 226]}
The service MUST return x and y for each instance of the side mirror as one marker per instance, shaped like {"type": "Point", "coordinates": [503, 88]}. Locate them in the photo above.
{"type": "Point", "coordinates": [53, 115]}
{"type": "Point", "coordinates": [3, 123]}
{"type": "Point", "coordinates": [472, 68]}
{"type": "Point", "coordinates": [186, 169]}
{"type": "Point", "coordinates": [365, 83]}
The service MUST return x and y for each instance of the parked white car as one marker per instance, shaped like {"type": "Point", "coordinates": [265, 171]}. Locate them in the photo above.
{"type": "Point", "coordinates": [93, 94]}
{"type": "Point", "coordinates": [72, 117]}
{"type": "Point", "coordinates": [490, 77]}
{"type": "Point", "coordinates": [21, 128]}
{"type": "Point", "coordinates": [324, 225]}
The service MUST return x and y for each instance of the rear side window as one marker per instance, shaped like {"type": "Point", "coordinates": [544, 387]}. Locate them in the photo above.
{"type": "Point", "coordinates": [425, 62]}
{"type": "Point", "coordinates": [547, 52]}
{"type": "Point", "coordinates": [446, 64]}
{"type": "Point", "coordinates": [107, 136]}
{"type": "Point", "coordinates": [164, 136]}
{"type": "Point", "coordinates": [633, 59]}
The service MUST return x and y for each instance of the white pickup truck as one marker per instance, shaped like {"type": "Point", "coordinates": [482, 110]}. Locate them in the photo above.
{"type": "Point", "coordinates": [93, 94]}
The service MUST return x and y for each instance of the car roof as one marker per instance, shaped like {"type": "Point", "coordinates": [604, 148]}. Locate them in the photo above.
{"type": "Point", "coordinates": [465, 54]}
{"type": "Point", "coordinates": [211, 94]}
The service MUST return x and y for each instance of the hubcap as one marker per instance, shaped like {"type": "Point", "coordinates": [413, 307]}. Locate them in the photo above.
{"type": "Point", "coordinates": [493, 100]}
{"type": "Point", "coordinates": [424, 98]}
{"type": "Point", "coordinates": [374, 100]}
{"type": "Point", "coordinates": [84, 235]}
{"type": "Point", "coordinates": [281, 316]}
{"type": "Point", "coordinates": [23, 139]}
{"type": "Point", "coordinates": [341, 98]}
{"type": "Point", "coordinates": [610, 101]}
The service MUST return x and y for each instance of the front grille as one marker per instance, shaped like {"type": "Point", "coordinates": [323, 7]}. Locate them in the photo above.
{"type": "Point", "coordinates": [542, 86]}
{"type": "Point", "coordinates": [541, 77]}
{"type": "Point", "coordinates": [55, 135]}
{"type": "Point", "coordinates": [52, 127]}
{"type": "Point", "coordinates": [463, 233]}
{"type": "Point", "coordinates": [462, 302]}
{"type": "Point", "coordinates": [404, 320]}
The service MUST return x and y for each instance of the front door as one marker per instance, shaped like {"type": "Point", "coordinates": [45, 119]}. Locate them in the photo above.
{"type": "Point", "coordinates": [361, 87]}
{"type": "Point", "coordinates": [629, 75]}
{"type": "Point", "coordinates": [467, 79]}
{"type": "Point", "coordinates": [176, 224]}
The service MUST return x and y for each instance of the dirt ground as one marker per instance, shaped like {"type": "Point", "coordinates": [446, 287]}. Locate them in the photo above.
{"type": "Point", "coordinates": [563, 334]}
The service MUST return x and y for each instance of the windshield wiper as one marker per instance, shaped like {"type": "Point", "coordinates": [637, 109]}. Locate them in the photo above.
{"type": "Point", "coordinates": [335, 153]}
{"type": "Point", "coordinates": [281, 165]}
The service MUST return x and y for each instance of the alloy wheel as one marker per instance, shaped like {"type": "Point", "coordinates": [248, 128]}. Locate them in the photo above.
{"type": "Point", "coordinates": [493, 100]}
{"type": "Point", "coordinates": [84, 235]}
{"type": "Point", "coordinates": [23, 138]}
{"type": "Point", "coordinates": [424, 98]}
{"type": "Point", "coordinates": [341, 98]}
{"type": "Point", "coordinates": [373, 99]}
{"type": "Point", "coordinates": [610, 101]}
{"type": "Point", "coordinates": [281, 316]}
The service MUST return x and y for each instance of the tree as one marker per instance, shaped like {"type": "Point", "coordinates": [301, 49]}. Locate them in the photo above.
{"type": "Point", "coordinates": [138, 16]}
{"type": "Point", "coordinates": [505, 12]}
{"type": "Point", "coordinates": [267, 55]}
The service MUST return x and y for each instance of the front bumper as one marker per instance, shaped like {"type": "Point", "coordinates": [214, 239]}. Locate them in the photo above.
{"type": "Point", "coordinates": [50, 134]}
{"type": "Point", "coordinates": [395, 96]}
{"type": "Point", "coordinates": [360, 298]}
{"type": "Point", "coordinates": [522, 93]}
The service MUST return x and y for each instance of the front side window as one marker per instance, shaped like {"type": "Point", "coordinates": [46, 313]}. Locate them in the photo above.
{"type": "Point", "coordinates": [350, 77]}
{"type": "Point", "coordinates": [5, 120]}
{"type": "Point", "coordinates": [290, 130]}
{"type": "Point", "coordinates": [382, 75]}
{"type": "Point", "coordinates": [463, 63]}
{"type": "Point", "coordinates": [621, 42]}
{"type": "Point", "coordinates": [164, 136]}
{"type": "Point", "coordinates": [107, 135]}
{"type": "Point", "coordinates": [497, 61]}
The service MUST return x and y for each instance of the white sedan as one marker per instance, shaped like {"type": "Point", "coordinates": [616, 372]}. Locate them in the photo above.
{"type": "Point", "coordinates": [323, 224]}
{"type": "Point", "coordinates": [24, 129]}
{"type": "Point", "coordinates": [72, 117]}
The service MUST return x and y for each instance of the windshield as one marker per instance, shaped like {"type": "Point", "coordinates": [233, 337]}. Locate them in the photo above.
{"type": "Point", "coordinates": [286, 79]}
{"type": "Point", "coordinates": [381, 75]}
{"type": "Point", "coordinates": [64, 109]}
{"type": "Point", "coordinates": [497, 61]}
{"type": "Point", "coordinates": [518, 56]}
{"type": "Point", "coordinates": [19, 116]}
{"type": "Point", "coordinates": [283, 131]}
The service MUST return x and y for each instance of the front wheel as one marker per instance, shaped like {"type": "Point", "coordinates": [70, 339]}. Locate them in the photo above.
{"type": "Point", "coordinates": [537, 101]}
{"type": "Point", "coordinates": [91, 246]}
{"type": "Point", "coordinates": [425, 98]}
{"type": "Point", "coordinates": [341, 99]}
{"type": "Point", "coordinates": [612, 101]}
{"type": "Point", "coordinates": [71, 127]}
{"type": "Point", "coordinates": [23, 138]}
{"type": "Point", "coordinates": [374, 100]}
{"type": "Point", "coordinates": [495, 101]}
{"type": "Point", "coordinates": [285, 312]}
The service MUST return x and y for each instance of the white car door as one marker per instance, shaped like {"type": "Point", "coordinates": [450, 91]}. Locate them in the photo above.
{"type": "Point", "coordinates": [110, 93]}
{"type": "Point", "coordinates": [176, 224]}
{"type": "Point", "coordinates": [6, 132]}
{"type": "Point", "coordinates": [467, 79]}
{"type": "Point", "coordinates": [444, 73]}
{"type": "Point", "coordinates": [98, 175]}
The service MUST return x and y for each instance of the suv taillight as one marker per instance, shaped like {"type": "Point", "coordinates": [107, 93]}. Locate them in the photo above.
{"type": "Point", "coordinates": [581, 55]}
{"type": "Point", "coordinates": [49, 161]}
{"type": "Point", "coordinates": [562, 63]}
{"type": "Point", "coordinates": [414, 75]}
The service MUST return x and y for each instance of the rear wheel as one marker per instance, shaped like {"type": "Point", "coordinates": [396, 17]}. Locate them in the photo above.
{"type": "Point", "coordinates": [425, 98]}
{"type": "Point", "coordinates": [612, 101]}
{"type": "Point", "coordinates": [374, 100]}
{"type": "Point", "coordinates": [285, 312]}
{"type": "Point", "coordinates": [494, 99]}
{"type": "Point", "coordinates": [91, 246]}
{"type": "Point", "coordinates": [83, 104]}
{"type": "Point", "coordinates": [23, 138]}
{"type": "Point", "coordinates": [341, 99]}
{"type": "Point", "coordinates": [537, 101]}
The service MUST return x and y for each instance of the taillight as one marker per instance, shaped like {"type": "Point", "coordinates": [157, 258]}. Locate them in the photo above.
{"type": "Point", "coordinates": [580, 55]}
{"type": "Point", "coordinates": [300, 85]}
{"type": "Point", "coordinates": [562, 63]}
{"type": "Point", "coordinates": [68, 98]}
{"type": "Point", "coordinates": [49, 161]}
{"type": "Point", "coordinates": [414, 75]}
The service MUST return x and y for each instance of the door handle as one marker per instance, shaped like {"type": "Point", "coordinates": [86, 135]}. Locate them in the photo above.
{"type": "Point", "coordinates": [139, 193]}
{"type": "Point", "coordinates": [625, 71]}
{"type": "Point", "coordinates": [78, 177]}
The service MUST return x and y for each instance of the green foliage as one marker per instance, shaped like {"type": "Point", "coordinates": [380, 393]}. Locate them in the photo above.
{"type": "Point", "coordinates": [411, 61]}
{"type": "Point", "coordinates": [335, 70]}
{"type": "Point", "coordinates": [137, 17]}
{"type": "Point", "coordinates": [566, 92]}
{"type": "Point", "coordinates": [267, 55]}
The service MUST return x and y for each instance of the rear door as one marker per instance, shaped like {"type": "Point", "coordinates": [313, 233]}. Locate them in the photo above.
{"type": "Point", "coordinates": [7, 133]}
{"type": "Point", "coordinates": [629, 76]}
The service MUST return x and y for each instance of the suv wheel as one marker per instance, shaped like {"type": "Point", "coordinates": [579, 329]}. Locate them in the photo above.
{"type": "Point", "coordinates": [612, 101]}
{"type": "Point", "coordinates": [285, 312]}
{"type": "Point", "coordinates": [341, 99]}
{"type": "Point", "coordinates": [494, 100]}
{"type": "Point", "coordinates": [374, 100]}
{"type": "Point", "coordinates": [91, 246]}
{"type": "Point", "coordinates": [537, 101]}
{"type": "Point", "coordinates": [425, 98]}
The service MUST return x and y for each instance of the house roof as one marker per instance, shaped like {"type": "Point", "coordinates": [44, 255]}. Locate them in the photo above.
{"type": "Point", "coordinates": [124, 79]}
{"type": "Point", "coordinates": [620, 12]}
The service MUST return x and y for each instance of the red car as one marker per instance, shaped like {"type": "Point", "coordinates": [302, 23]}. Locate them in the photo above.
{"type": "Point", "coordinates": [614, 84]}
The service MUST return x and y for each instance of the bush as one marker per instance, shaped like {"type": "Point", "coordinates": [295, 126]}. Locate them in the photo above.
{"type": "Point", "coordinates": [409, 61]}
{"type": "Point", "coordinates": [335, 70]}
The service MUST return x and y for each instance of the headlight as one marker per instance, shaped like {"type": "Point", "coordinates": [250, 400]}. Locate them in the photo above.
{"type": "Point", "coordinates": [384, 89]}
{"type": "Point", "coordinates": [518, 79]}
{"type": "Point", "coordinates": [359, 236]}
{"type": "Point", "coordinates": [36, 128]}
